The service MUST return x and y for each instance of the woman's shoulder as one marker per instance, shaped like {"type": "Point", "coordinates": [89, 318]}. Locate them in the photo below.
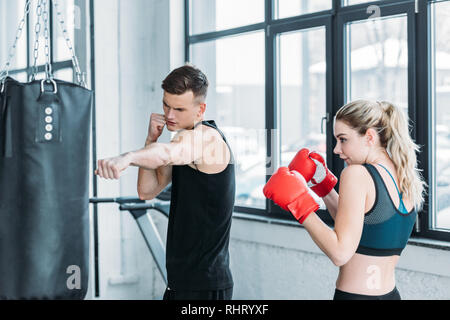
{"type": "Point", "coordinates": [355, 172]}
{"type": "Point", "coordinates": [354, 182]}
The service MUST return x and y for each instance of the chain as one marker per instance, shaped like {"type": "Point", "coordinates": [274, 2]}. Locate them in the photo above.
{"type": "Point", "coordinates": [37, 31]}
{"type": "Point", "coordinates": [4, 74]}
{"type": "Point", "coordinates": [48, 69]}
{"type": "Point", "coordinates": [80, 76]}
{"type": "Point", "coordinates": [48, 66]}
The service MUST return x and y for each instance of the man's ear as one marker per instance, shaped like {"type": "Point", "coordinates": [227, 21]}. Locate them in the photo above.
{"type": "Point", "coordinates": [202, 108]}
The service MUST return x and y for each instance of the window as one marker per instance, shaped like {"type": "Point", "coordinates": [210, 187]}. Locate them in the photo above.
{"type": "Point", "coordinates": [377, 60]}
{"type": "Point", "coordinates": [319, 55]}
{"type": "Point", "coordinates": [302, 94]}
{"type": "Point", "coordinates": [235, 69]}
{"type": "Point", "coordinates": [72, 13]}
{"type": "Point", "coordinates": [440, 57]}
{"type": "Point", "coordinates": [215, 15]}
{"type": "Point", "coordinates": [236, 64]}
{"type": "Point", "coordinates": [289, 8]}
{"type": "Point", "coordinates": [352, 2]}
{"type": "Point", "coordinates": [64, 74]}
{"type": "Point", "coordinates": [11, 12]}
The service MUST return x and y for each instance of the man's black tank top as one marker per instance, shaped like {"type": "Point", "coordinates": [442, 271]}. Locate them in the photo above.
{"type": "Point", "coordinates": [198, 235]}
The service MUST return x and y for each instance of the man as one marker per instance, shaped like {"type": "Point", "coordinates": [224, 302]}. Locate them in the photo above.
{"type": "Point", "coordinates": [200, 165]}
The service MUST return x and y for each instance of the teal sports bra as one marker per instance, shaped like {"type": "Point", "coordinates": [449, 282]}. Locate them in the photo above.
{"type": "Point", "coordinates": [386, 228]}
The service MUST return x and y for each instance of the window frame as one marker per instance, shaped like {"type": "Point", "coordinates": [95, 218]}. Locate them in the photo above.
{"type": "Point", "coordinates": [29, 35]}
{"type": "Point", "coordinates": [334, 21]}
{"type": "Point", "coordinates": [424, 116]}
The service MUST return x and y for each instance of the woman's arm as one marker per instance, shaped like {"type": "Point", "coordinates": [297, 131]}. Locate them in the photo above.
{"type": "Point", "coordinates": [340, 244]}
{"type": "Point", "coordinates": [331, 201]}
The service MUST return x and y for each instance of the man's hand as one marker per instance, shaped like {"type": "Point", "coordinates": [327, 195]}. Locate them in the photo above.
{"type": "Point", "coordinates": [112, 167]}
{"type": "Point", "coordinates": [155, 127]}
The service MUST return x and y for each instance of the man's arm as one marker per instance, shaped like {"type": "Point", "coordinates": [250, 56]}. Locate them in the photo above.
{"type": "Point", "coordinates": [152, 181]}
{"type": "Point", "coordinates": [185, 148]}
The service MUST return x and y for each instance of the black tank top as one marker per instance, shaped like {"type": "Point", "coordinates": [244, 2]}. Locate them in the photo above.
{"type": "Point", "coordinates": [198, 234]}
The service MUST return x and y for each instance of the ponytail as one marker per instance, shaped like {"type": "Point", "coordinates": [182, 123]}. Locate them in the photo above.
{"type": "Point", "coordinates": [402, 150]}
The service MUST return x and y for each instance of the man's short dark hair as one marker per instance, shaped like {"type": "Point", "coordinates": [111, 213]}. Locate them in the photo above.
{"type": "Point", "coordinates": [184, 79]}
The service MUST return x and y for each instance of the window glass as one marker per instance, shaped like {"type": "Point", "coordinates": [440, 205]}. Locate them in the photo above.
{"type": "Point", "coordinates": [289, 8]}
{"type": "Point", "coordinates": [236, 101]}
{"type": "Point", "coordinates": [11, 13]}
{"type": "Point", "coordinates": [215, 15]}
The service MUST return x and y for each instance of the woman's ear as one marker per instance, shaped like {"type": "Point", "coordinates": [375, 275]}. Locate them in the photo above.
{"type": "Point", "coordinates": [371, 136]}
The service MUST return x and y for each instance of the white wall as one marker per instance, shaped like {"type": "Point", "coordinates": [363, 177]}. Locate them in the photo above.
{"type": "Point", "coordinates": [275, 261]}
{"type": "Point", "coordinates": [132, 40]}
{"type": "Point", "coordinates": [137, 43]}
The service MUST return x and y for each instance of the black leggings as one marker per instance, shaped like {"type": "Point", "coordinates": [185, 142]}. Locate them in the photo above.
{"type": "Point", "coordinates": [341, 295]}
{"type": "Point", "coordinates": [225, 294]}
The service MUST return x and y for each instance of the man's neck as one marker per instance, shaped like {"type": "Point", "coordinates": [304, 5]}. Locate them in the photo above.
{"type": "Point", "coordinates": [196, 123]}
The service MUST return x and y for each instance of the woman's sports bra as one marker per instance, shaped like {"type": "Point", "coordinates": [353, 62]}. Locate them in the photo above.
{"type": "Point", "coordinates": [386, 228]}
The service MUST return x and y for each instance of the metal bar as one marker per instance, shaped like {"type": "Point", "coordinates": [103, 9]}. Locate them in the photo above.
{"type": "Point", "coordinates": [225, 33]}
{"type": "Point", "coordinates": [56, 66]}
{"type": "Point", "coordinates": [270, 99]}
{"type": "Point", "coordinates": [153, 241]}
{"type": "Point", "coordinates": [94, 147]}
{"type": "Point", "coordinates": [186, 31]}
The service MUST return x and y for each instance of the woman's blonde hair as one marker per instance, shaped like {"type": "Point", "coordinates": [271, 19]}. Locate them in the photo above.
{"type": "Point", "coordinates": [392, 127]}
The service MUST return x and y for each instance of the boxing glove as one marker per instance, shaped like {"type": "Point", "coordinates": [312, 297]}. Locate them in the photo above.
{"type": "Point", "coordinates": [289, 190]}
{"type": "Point", "coordinates": [303, 164]}
{"type": "Point", "coordinates": [323, 180]}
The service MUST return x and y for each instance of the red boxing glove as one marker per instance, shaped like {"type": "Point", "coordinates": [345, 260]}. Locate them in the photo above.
{"type": "Point", "coordinates": [323, 180]}
{"type": "Point", "coordinates": [303, 164]}
{"type": "Point", "coordinates": [288, 189]}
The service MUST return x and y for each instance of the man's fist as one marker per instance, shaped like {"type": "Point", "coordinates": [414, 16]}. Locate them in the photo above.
{"type": "Point", "coordinates": [112, 167]}
{"type": "Point", "coordinates": [288, 189]}
{"type": "Point", "coordinates": [155, 127]}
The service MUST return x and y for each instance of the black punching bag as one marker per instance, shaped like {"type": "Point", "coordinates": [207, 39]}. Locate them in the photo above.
{"type": "Point", "coordinates": [44, 190]}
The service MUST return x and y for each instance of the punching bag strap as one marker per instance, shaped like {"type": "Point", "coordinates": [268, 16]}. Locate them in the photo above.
{"type": "Point", "coordinates": [48, 127]}
{"type": "Point", "coordinates": [6, 128]}
{"type": "Point", "coordinates": [52, 82]}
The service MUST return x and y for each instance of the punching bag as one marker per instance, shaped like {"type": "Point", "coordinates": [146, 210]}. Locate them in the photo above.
{"type": "Point", "coordinates": [44, 189]}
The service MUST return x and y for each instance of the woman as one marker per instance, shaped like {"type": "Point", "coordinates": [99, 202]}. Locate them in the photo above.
{"type": "Point", "coordinates": [380, 193]}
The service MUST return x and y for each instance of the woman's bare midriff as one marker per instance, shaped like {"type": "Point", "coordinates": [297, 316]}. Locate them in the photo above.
{"type": "Point", "coordinates": [368, 275]}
